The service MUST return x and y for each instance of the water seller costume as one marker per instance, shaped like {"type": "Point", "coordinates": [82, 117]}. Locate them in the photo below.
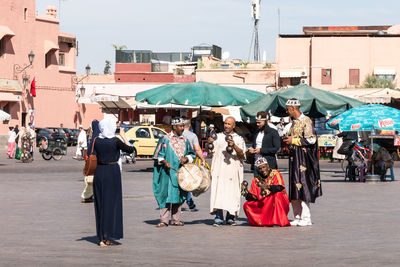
{"type": "Point", "coordinates": [165, 182]}
{"type": "Point", "coordinates": [107, 189]}
{"type": "Point", "coordinates": [271, 209]}
{"type": "Point", "coordinates": [304, 174]}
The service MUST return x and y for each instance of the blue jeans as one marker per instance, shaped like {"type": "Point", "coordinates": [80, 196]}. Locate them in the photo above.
{"type": "Point", "coordinates": [190, 201]}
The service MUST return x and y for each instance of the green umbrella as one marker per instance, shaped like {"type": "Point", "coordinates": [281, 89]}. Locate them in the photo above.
{"type": "Point", "coordinates": [314, 102]}
{"type": "Point", "coordinates": [198, 94]}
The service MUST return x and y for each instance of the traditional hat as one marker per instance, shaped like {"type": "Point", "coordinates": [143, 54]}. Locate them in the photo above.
{"type": "Point", "coordinates": [260, 161]}
{"type": "Point", "coordinates": [294, 102]}
{"type": "Point", "coordinates": [80, 126]}
{"type": "Point", "coordinates": [262, 116]}
{"type": "Point", "coordinates": [211, 126]}
{"type": "Point", "coordinates": [177, 121]}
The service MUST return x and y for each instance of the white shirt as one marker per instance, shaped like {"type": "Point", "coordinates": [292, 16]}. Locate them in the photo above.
{"type": "Point", "coordinates": [11, 136]}
{"type": "Point", "coordinates": [82, 142]}
{"type": "Point", "coordinates": [259, 139]}
{"type": "Point", "coordinates": [271, 125]}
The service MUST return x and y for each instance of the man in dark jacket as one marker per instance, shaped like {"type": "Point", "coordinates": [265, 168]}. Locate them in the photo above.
{"type": "Point", "coordinates": [266, 142]}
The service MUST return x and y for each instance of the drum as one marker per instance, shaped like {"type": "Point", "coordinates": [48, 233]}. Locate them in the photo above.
{"type": "Point", "coordinates": [194, 178]}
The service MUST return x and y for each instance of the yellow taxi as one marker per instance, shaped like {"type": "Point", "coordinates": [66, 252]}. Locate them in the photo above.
{"type": "Point", "coordinates": [146, 139]}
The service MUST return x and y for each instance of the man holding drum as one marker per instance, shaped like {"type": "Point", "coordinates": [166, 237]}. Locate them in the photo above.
{"type": "Point", "coordinates": [172, 151]}
{"type": "Point", "coordinates": [228, 150]}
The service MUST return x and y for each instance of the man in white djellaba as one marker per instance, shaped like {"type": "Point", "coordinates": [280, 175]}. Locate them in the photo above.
{"type": "Point", "coordinates": [82, 143]}
{"type": "Point", "coordinates": [227, 173]}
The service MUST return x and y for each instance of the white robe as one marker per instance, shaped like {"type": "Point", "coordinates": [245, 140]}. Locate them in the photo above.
{"type": "Point", "coordinates": [227, 176]}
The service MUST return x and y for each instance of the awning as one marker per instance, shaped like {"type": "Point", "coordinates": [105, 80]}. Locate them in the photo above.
{"type": "Point", "coordinates": [292, 73]}
{"type": "Point", "coordinates": [9, 97]}
{"type": "Point", "coordinates": [110, 102]}
{"type": "Point", "coordinates": [49, 45]}
{"type": "Point", "coordinates": [384, 71]}
{"type": "Point", "coordinates": [5, 31]}
{"type": "Point", "coordinates": [371, 95]}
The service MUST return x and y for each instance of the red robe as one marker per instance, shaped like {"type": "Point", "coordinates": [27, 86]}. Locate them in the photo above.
{"type": "Point", "coordinates": [271, 209]}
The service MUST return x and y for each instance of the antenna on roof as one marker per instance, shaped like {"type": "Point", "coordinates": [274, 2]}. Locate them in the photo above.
{"type": "Point", "coordinates": [255, 14]}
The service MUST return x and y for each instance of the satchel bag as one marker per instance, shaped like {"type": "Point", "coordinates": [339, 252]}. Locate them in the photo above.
{"type": "Point", "coordinates": [91, 162]}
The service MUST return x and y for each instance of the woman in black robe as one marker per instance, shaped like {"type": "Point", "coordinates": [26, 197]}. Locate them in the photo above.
{"type": "Point", "coordinates": [107, 189]}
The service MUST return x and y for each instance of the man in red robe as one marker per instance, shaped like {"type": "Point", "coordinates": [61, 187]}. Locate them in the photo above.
{"type": "Point", "coordinates": [267, 202]}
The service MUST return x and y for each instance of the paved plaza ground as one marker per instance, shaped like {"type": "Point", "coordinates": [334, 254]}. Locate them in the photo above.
{"type": "Point", "coordinates": [43, 223]}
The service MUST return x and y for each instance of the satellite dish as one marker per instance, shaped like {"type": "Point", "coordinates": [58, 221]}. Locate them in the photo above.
{"type": "Point", "coordinates": [225, 55]}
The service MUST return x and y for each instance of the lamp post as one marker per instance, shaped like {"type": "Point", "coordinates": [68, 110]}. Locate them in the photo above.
{"type": "Point", "coordinates": [75, 80]}
{"type": "Point", "coordinates": [18, 68]}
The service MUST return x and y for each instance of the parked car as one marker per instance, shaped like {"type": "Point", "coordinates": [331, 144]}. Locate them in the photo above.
{"type": "Point", "coordinates": [42, 133]}
{"type": "Point", "coordinates": [146, 139]}
{"type": "Point", "coordinates": [61, 132]}
{"type": "Point", "coordinates": [70, 137]}
{"type": "Point", "coordinates": [75, 134]}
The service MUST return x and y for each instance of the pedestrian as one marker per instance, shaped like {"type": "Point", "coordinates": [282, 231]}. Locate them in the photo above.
{"type": "Point", "coordinates": [25, 143]}
{"type": "Point", "coordinates": [107, 188]}
{"type": "Point", "coordinates": [304, 175]}
{"type": "Point", "coordinates": [266, 142]}
{"type": "Point", "coordinates": [11, 142]}
{"type": "Point", "coordinates": [87, 194]}
{"type": "Point", "coordinates": [195, 146]}
{"type": "Point", "coordinates": [267, 202]}
{"type": "Point", "coordinates": [82, 143]}
{"type": "Point", "coordinates": [211, 128]}
{"type": "Point", "coordinates": [281, 127]}
{"type": "Point", "coordinates": [227, 173]}
{"type": "Point", "coordinates": [172, 151]}
{"type": "Point", "coordinates": [31, 129]}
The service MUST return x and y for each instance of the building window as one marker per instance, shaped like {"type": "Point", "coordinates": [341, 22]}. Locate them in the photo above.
{"type": "Point", "coordinates": [25, 13]}
{"type": "Point", "coordinates": [386, 77]}
{"type": "Point", "coordinates": [354, 76]}
{"type": "Point", "coordinates": [295, 81]}
{"type": "Point", "coordinates": [61, 60]}
{"type": "Point", "coordinates": [1, 47]}
{"type": "Point", "coordinates": [224, 66]}
{"type": "Point", "coordinates": [326, 76]}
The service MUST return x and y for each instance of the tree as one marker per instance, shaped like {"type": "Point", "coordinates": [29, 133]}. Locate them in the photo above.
{"type": "Point", "coordinates": [121, 47]}
{"type": "Point", "coordinates": [107, 67]}
{"type": "Point", "coordinates": [373, 81]}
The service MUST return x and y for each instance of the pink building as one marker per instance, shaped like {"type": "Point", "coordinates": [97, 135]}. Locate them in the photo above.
{"type": "Point", "coordinates": [338, 57]}
{"type": "Point", "coordinates": [22, 31]}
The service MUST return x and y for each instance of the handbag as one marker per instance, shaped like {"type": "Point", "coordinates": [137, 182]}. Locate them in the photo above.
{"type": "Point", "coordinates": [18, 153]}
{"type": "Point", "coordinates": [90, 162]}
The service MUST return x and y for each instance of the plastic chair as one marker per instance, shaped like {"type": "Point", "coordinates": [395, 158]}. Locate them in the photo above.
{"type": "Point", "coordinates": [391, 175]}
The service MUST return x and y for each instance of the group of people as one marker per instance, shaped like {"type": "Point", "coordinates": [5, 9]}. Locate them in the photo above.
{"type": "Point", "coordinates": [21, 142]}
{"type": "Point", "coordinates": [267, 199]}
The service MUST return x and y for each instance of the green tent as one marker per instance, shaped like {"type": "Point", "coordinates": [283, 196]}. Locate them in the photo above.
{"type": "Point", "coordinates": [315, 103]}
{"type": "Point", "coordinates": [198, 94]}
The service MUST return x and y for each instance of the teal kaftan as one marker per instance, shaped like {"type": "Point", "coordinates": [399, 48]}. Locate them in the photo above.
{"type": "Point", "coordinates": [165, 184]}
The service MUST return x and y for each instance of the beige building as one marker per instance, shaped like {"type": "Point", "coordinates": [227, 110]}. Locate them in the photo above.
{"type": "Point", "coordinates": [255, 76]}
{"type": "Point", "coordinates": [338, 57]}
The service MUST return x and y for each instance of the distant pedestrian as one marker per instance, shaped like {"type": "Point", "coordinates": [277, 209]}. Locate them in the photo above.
{"type": "Point", "coordinates": [33, 136]}
{"type": "Point", "coordinates": [82, 143]}
{"type": "Point", "coordinates": [107, 186]}
{"type": "Point", "coordinates": [87, 194]}
{"type": "Point", "coordinates": [11, 142]}
{"type": "Point", "coordinates": [26, 145]}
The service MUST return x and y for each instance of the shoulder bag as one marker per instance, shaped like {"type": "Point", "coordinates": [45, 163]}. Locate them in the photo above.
{"type": "Point", "coordinates": [91, 162]}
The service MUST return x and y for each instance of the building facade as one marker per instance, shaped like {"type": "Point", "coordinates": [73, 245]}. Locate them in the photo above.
{"type": "Point", "coordinates": [338, 57]}
{"type": "Point", "coordinates": [23, 32]}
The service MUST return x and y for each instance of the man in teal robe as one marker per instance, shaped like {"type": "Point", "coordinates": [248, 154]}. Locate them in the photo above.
{"type": "Point", "coordinates": [172, 151]}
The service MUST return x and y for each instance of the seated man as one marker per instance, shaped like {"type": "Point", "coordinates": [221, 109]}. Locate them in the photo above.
{"type": "Point", "coordinates": [267, 202]}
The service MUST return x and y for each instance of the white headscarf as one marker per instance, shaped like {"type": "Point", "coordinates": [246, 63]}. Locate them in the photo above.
{"type": "Point", "coordinates": [107, 128]}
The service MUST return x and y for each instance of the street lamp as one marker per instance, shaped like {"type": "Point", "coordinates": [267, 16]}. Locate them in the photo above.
{"type": "Point", "coordinates": [74, 79]}
{"type": "Point", "coordinates": [19, 68]}
{"type": "Point", "coordinates": [82, 90]}
{"type": "Point", "coordinates": [25, 81]}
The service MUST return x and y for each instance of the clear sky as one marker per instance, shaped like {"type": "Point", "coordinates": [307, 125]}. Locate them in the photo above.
{"type": "Point", "coordinates": [177, 25]}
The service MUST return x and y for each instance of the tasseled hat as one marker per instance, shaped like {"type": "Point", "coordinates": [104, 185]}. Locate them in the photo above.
{"type": "Point", "coordinates": [260, 162]}
{"type": "Point", "coordinates": [294, 102]}
{"type": "Point", "coordinates": [177, 121]}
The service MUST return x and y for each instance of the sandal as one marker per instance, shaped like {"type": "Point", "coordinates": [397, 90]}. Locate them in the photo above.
{"type": "Point", "coordinates": [103, 243]}
{"type": "Point", "coordinates": [162, 224]}
{"type": "Point", "coordinates": [178, 223]}
{"type": "Point", "coordinates": [110, 243]}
